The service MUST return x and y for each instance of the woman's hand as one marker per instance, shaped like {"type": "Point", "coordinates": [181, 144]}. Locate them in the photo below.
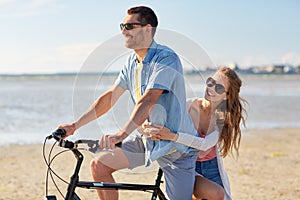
{"type": "Point", "coordinates": [157, 132]}
{"type": "Point", "coordinates": [148, 130]}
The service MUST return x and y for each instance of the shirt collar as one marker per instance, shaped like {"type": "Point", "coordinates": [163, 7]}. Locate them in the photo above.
{"type": "Point", "coordinates": [150, 53]}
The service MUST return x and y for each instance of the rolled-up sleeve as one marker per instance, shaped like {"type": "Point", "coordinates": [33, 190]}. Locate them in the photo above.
{"type": "Point", "coordinates": [122, 79]}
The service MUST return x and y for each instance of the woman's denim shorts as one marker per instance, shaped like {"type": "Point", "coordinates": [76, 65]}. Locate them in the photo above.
{"type": "Point", "coordinates": [209, 169]}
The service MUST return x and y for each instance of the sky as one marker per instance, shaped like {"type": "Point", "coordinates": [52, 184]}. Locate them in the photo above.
{"type": "Point", "coordinates": [51, 36]}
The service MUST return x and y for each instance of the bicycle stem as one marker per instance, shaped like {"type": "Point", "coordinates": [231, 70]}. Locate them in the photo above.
{"type": "Point", "coordinates": [74, 178]}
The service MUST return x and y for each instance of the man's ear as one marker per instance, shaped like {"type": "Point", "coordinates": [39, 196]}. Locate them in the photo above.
{"type": "Point", "coordinates": [149, 28]}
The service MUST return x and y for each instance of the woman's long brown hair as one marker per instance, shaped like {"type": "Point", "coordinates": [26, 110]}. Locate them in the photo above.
{"type": "Point", "coordinates": [229, 114]}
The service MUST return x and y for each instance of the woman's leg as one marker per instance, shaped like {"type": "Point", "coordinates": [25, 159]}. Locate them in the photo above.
{"type": "Point", "coordinates": [206, 189]}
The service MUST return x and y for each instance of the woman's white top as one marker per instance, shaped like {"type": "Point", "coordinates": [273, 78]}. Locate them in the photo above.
{"type": "Point", "coordinates": [204, 144]}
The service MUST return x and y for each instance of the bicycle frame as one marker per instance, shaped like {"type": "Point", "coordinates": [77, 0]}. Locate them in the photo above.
{"type": "Point", "coordinates": [74, 182]}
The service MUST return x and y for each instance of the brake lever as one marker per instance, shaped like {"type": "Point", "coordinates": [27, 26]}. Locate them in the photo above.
{"type": "Point", "coordinates": [93, 146]}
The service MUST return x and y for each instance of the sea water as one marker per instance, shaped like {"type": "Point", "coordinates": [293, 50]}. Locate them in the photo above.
{"type": "Point", "coordinates": [32, 106]}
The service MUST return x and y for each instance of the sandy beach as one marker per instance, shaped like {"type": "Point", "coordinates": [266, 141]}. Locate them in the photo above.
{"type": "Point", "coordinates": [267, 168]}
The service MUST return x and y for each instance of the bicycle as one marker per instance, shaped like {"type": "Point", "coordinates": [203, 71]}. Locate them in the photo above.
{"type": "Point", "coordinates": [92, 146]}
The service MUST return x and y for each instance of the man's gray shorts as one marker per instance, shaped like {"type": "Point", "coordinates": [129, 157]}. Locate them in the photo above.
{"type": "Point", "coordinates": [134, 149]}
{"type": "Point", "coordinates": [178, 168]}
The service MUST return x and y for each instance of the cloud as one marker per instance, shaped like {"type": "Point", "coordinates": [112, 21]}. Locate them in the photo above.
{"type": "Point", "coordinates": [74, 54]}
{"type": "Point", "coordinates": [244, 61]}
{"type": "Point", "coordinates": [291, 58]}
{"type": "Point", "coordinates": [255, 60]}
{"type": "Point", "coordinates": [59, 59]}
{"type": "Point", "coordinates": [38, 4]}
{"type": "Point", "coordinates": [5, 2]}
{"type": "Point", "coordinates": [27, 8]}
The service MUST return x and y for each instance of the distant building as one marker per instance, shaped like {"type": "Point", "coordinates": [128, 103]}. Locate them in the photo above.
{"type": "Point", "coordinates": [288, 69]}
{"type": "Point", "coordinates": [278, 69]}
{"type": "Point", "coordinates": [267, 69]}
{"type": "Point", "coordinates": [273, 69]}
{"type": "Point", "coordinates": [234, 66]}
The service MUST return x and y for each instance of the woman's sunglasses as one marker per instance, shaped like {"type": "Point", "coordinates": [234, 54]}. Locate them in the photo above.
{"type": "Point", "coordinates": [210, 82]}
{"type": "Point", "coordinates": [130, 26]}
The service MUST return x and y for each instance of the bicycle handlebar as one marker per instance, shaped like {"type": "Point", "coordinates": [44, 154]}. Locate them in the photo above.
{"type": "Point", "coordinates": [93, 145]}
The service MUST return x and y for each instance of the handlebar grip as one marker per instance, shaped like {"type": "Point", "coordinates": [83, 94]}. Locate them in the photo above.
{"type": "Point", "coordinates": [58, 134]}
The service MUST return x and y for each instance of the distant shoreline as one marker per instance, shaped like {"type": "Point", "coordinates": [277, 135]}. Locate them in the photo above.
{"type": "Point", "coordinates": [60, 74]}
{"type": "Point", "coordinates": [34, 140]}
{"type": "Point", "coordinates": [187, 73]}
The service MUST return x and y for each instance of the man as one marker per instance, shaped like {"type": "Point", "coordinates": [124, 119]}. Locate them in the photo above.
{"type": "Point", "coordinates": [153, 76]}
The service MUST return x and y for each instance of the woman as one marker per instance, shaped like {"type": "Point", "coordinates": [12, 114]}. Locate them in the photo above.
{"type": "Point", "coordinates": [217, 118]}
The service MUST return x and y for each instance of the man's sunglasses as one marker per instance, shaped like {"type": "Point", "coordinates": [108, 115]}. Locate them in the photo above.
{"type": "Point", "coordinates": [210, 82]}
{"type": "Point", "coordinates": [130, 26]}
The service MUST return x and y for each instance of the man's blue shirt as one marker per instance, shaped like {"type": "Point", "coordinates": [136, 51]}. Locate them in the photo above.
{"type": "Point", "coordinates": [162, 69]}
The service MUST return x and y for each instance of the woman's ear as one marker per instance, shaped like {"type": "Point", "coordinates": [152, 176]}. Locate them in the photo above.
{"type": "Point", "coordinates": [226, 95]}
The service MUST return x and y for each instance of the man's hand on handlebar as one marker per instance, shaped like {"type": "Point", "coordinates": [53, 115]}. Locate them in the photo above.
{"type": "Point", "coordinates": [109, 141]}
{"type": "Point", "coordinates": [69, 128]}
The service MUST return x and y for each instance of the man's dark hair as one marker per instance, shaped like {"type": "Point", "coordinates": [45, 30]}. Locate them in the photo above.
{"type": "Point", "coordinates": [146, 14]}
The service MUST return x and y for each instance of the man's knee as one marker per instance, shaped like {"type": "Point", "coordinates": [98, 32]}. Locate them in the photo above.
{"type": "Point", "coordinates": [99, 168]}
